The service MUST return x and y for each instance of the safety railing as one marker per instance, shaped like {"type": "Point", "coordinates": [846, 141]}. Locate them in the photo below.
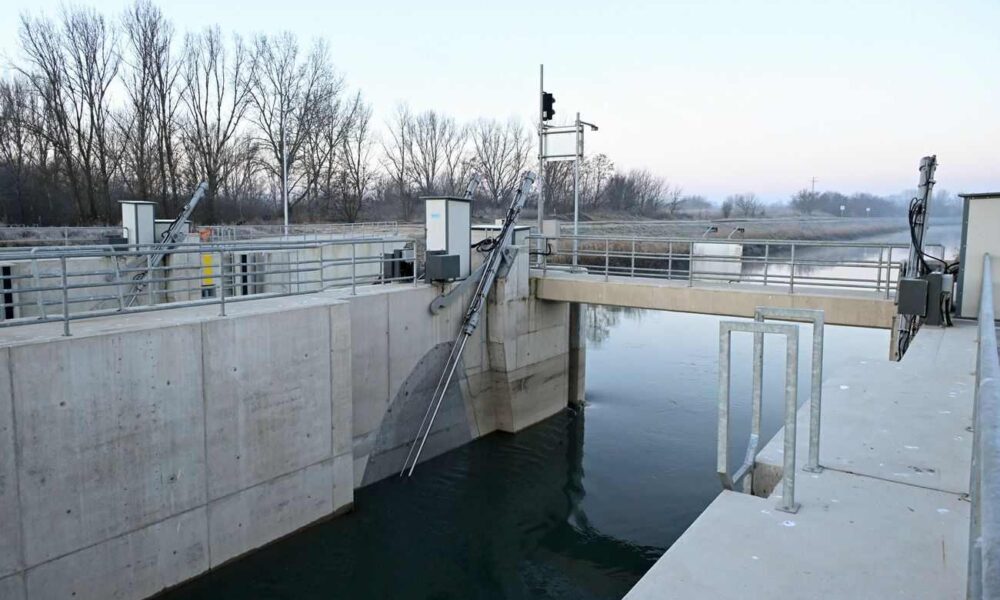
{"type": "Point", "coordinates": [305, 232]}
{"type": "Point", "coordinates": [984, 483]}
{"type": "Point", "coordinates": [46, 284]}
{"type": "Point", "coordinates": [27, 236]}
{"type": "Point", "coordinates": [791, 264]}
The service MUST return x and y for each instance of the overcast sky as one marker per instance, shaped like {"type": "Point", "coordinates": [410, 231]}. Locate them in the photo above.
{"type": "Point", "coordinates": [718, 96]}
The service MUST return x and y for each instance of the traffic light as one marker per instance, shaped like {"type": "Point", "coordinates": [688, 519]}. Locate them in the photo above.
{"type": "Point", "coordinates": [547, 109]}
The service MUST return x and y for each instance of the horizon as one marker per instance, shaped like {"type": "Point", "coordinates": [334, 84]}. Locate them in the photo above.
{"type": "Point", "coordinates": [718, 105]}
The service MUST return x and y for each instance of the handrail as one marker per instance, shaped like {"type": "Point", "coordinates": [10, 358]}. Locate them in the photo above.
{"type": "Point", "coordinates": [745, 242]}
{"type": "Point", "coordinates": [769, 262]}
{"type": "Point", "coordinates": [63, 284]}
{"type": "Point", "coordinates": [984, 484]}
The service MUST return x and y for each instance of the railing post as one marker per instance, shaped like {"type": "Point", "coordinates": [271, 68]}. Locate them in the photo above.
{"type": "Point", "coordinates": [878, 272]}
{"type": "Point", "coordinates": [222, 284]}
{"type": "Point", "coordinates": [545, 254]}
{"type": "Point", "coordinates": [815, 396]}
{"type": "Point", "coordinates": [354, 265]}
{"type": "Point", "coordinates": [322, 268]}
{"type": "Point", "coordinates": [690, 264]}
{"type": "Point", "coordinates": [632, 268]}
{"type": "Point", "coordinates": [118, 281]}
{"type": "Point", "coordinates": [791, 405]}
{"type": "Point", "coordinates": [670, 260]}
{"type": "Point", "coordinates": [767, 257]}
{"type": "Point", "coordinates": [65, 297]}
{"type": "Point", "coordinates": [149, 279]}
{"type": "Point", "coordinates": [607, 262]}
{"type": "Point", "coordinates": [791, 272]}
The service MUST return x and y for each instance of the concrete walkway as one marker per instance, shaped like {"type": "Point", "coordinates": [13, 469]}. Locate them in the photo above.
{"type": "Point", "coordinates": [888, 517]}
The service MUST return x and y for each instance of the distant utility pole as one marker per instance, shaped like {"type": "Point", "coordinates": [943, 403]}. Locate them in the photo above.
{"type": "Point", "coordinates": [814, 187]}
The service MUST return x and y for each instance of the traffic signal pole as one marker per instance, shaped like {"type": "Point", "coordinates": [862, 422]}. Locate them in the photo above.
{"type": "Point", "coordinates": [541, 156]}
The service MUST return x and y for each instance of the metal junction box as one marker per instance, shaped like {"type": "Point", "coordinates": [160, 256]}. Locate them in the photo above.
{"type": "Point", "coordinates": [448, 221]}
{"type": "Point", "coordinates": [939, 286]}
{"type": "Point", "coordinates": [442, 267]}
{"type": "Point", "coordinates": [912, 296]}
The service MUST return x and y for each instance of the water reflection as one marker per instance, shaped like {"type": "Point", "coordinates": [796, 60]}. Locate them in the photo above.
{"type": "Point", "coordinates": [601, 320]}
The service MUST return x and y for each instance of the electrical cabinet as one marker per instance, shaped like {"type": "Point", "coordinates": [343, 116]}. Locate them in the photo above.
{"type": "Point", "coordinates": [448, 221]}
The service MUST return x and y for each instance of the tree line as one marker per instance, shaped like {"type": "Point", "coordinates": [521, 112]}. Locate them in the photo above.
{"type": "Point", "coordinates": [100, 109]}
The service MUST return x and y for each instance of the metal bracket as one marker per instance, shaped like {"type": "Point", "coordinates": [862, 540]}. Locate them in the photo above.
{"type": "Point", "coordinates": [446, 299]}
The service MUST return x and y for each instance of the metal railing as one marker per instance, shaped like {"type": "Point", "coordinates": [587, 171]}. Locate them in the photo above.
{"type": "Point", "coordinates": [305, 231]}
{"type": "Point", "coordinates": [46, 284]}
{"type": "Point", "coordinates": [25, 235]}
{"type": "Point", "coordinates": [860, 266]}
{"type": "Point", "coordinates": [984, 483]}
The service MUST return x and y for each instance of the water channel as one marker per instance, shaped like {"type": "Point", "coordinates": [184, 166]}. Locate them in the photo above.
{"type": "Point", "coordinates": [576, 507]}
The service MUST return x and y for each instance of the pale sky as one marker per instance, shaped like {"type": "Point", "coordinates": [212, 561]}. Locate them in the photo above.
{"type": "Point", "coordinates": [718, 96]}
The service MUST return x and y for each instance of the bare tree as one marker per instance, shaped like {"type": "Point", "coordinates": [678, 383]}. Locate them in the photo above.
{"type": "Point", "coordinates": [292, 99]}
{"type": "Point", "coordinates": [217, 82]}
{"type": "Point", "coordinates": [434, 135]}
{"type": "Point", "coordinates": [358, 174]}
{"type": "Point", "coordinates": [150, 124]}
{"type": "Point", "coordinates": [455, 170]}
{"type": "Point", "coordinates": [747, 204]}
{"type": "Point", "coordinates": [501, 153]}
{"type": "Point", "coordinates": [72, 66]}
{"type": "Point", "coordinates": [17, 127]}
{"type": "Point", "coordinates": [397, 152]}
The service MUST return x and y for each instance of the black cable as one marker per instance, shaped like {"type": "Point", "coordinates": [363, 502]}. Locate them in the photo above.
{"type": "Point", "coordinates": [913, 212]}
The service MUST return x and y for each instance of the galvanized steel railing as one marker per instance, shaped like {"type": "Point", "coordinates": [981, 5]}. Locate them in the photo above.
{"type": "Point", "coordinates": [984, 484]}
{"type": "Point", "coordinates": [303, 231]}
{"type": "Point", "coordinates": [46, 284]}
{"type": "Point", "coordinates": [861, 266]}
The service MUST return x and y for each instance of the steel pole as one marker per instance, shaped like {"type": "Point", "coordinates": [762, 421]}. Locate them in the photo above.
{"type": "Point", "coordinates": [284, 170]}
{"type": "Point", "coordinates": [541, 157]}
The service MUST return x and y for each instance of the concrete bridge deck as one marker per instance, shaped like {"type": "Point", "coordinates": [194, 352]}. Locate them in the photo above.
{"type": "Point", "coordinates": [842, 306]}
{"type": "Point", "coordinates": [887, 518]}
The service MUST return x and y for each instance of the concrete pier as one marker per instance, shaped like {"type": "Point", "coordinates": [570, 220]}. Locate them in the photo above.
{"type": "Point", "coordinates": [887, 518]}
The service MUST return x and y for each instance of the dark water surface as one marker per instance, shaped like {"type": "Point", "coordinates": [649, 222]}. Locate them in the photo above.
{"type": "Point", "coordinates": [579, 506]}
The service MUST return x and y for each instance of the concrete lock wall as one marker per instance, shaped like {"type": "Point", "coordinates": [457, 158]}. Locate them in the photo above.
{"type": "Point", "coordinates": [134, 459]}
{"type": "Point", "coordinates": [150, 448]}
{"type": "Point", "coordinates": [514, 371]}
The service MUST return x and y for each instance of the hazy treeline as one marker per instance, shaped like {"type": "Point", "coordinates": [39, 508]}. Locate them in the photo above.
{"type": "Point", "coordinates": [862, 205]}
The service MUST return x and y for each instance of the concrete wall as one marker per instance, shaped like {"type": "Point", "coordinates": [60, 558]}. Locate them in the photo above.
{"type": "Point", "coordinates": [514, 370]}
{"type": "Point", "coordinates": [150, 448]}
{"type": "Point", "coordinates": [132, 459]}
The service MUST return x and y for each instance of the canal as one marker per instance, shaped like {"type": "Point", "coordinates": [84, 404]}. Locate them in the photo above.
{"type": "Point", "coordinates": [579, 506]}
{"type": "Point", "coordinates": [576, 507]}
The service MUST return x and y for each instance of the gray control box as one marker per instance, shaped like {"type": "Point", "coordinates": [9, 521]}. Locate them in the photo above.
{"type": "Point", "coordinates": [912, 297]}
{"type": "Point", "coordinates": [442, 267]}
